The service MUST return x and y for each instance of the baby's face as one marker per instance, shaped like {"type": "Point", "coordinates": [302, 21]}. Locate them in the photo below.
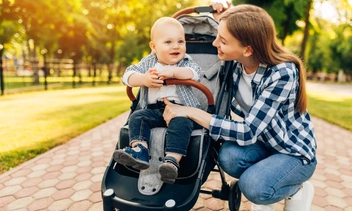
{"type": "Point", "coordinates": [169, 44]}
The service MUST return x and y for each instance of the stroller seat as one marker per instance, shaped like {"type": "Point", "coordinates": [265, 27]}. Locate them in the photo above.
{"type": "Point", "coordinates": [123, 180]}
{"type": "Point", "coordinates": [190, 164]}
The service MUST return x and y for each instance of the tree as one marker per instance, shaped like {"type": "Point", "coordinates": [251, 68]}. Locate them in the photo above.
{"type": "Point", "coordinates": [329, 49]}
{"type": "Point", "coordinates": [135, 21]}
{"type": "Point", "coordinates": [319, 55]}
{"type": "Point", "coordinates": [306, 29]}
{"type": "Point", "coordinates": [44, 23]}
{"type": "Point", "coordinates": [341, 47]}
{"type": "Point", "coordinates": [8, 28]}
{"type": "Point", "coordinates": [101, 46]}
{"type": "Point", "coordinates": [286, 14]}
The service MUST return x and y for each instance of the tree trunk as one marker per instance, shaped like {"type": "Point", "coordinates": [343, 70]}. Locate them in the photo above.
{"type": "Point", "coordinates": [34, 62]}
{"type": "Point", "coordinates": [306, 29]}
{"type": "Point", "coordinates": [2, 85]}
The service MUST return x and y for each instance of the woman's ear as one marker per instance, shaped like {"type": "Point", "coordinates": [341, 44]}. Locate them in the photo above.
{"type": "Point", "coordinates": [152, 46]}
{"type": "Point", "coordinates": [248, 51]}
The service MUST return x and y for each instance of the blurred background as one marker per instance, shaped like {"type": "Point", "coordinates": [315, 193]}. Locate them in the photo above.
{"type": "Point", "coordinates": [72, 42]}
{"type": "Point", "coordinates": [77, 50]}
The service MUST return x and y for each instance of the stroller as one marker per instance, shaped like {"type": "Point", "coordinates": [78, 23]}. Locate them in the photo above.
{"type": "Point", "coordinates": [125, 188]}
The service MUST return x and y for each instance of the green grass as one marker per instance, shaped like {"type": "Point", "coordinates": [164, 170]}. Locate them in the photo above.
{"type": "Point", "coordinates": [331, 107]}
{"type": "Point", "coordinates": [34, 122]}
{"type": "Point", "coordinates": [17, 83]}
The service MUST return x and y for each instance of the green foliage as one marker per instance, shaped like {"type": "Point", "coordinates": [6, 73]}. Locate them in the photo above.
{"type": "Point", "coordinates": [292, 11]}
{"type": "Point", "coordinates": [329, 44]}
{"type": "Point", "coordinates": [136, 21]}
{"type": "Point", "coordinates": [342, 47]}
{"type": "Point", "coordinates": [284, 13]}
{"type": "Point", "coordinates": [316, 55]}
{"type": "Point", "coordinates": [7, 30]}
{"type": "Point", "coordinates": [330, 47]}
{"type": "Point", "coordinates": [8, 26]}
{"type": "Point", "coordinates": [95, 29]}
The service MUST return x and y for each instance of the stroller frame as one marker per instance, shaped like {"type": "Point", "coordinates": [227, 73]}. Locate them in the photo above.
{"type": "Point", "coordinates": [116, 174]}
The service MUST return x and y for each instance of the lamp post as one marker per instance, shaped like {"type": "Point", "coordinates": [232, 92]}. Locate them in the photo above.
{"type": "Point", "coordinates": [59, 55]}
{"type": "Point", "coordinates": [2, 86]}
{"type": "Point", "coordinates": [45, 69]}
{"type": "Point", "coordinates": [112, 33]}
{"type": "Point", "coordinates": [73, 54]}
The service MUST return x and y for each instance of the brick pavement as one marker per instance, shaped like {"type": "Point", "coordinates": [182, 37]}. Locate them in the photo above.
{"type": "Point", "coordinates": [69, 176]}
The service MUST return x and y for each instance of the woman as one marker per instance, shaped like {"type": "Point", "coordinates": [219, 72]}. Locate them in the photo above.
{"type": "Point", "coordinates": [273, 150]}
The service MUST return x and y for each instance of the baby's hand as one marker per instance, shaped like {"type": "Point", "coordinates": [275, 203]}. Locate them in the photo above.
{"type": "Point", "coordinates": [168, 73]}
{"type": "Point", "coordinates": [152, 79]}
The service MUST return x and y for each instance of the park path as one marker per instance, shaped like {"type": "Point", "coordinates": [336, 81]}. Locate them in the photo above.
{"type": "Point", "coordinates": [340, 89]}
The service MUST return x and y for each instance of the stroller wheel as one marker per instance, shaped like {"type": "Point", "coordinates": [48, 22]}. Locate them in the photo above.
{"type": "Point", "coordinates": [234, 196]}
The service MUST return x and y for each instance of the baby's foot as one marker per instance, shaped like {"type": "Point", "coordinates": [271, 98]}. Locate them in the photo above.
{"type": "Point", "coordinates": [169, 170]}
{"type": "Point", "coordinates": [137, 157]}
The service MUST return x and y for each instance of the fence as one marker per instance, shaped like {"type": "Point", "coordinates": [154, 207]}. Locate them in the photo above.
{"type": "Point", "coordinates": [340, 77]}
{"type": "Point", "coordinates": [43, 74]}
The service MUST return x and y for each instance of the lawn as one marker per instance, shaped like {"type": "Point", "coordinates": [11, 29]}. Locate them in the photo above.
{"type": "Point", "coordinates": [34, 122]}
{"type": "Point", "coordinates": [15, 84]}
{"type": "Point", "coordinates": [331, 107]}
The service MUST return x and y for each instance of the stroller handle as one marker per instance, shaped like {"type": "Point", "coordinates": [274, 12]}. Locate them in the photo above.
{"type": "Point", "coordinates": [187, 82]}
{"type": "Point", "coordinates": [197, 10]}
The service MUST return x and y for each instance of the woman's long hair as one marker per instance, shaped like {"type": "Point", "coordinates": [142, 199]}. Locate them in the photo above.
{"type": "Point", "coordinates": [254, 27]}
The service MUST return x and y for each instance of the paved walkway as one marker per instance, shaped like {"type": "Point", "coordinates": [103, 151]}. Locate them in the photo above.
{"type": "Point", "coordinates": [68, 177]}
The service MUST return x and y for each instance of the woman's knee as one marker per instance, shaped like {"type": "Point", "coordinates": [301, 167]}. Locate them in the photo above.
{"type": "Point", "coordinates": [256, 189]}
{"type": "Point", "coordinates": [230, 159]}
{"type": "Point", "coordinates": [235, 159]}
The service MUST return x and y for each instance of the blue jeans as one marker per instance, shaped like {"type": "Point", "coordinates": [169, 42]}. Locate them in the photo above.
{"type": "Point", "coordinates": [178, 131]}
{"type": "Point", "coordinates": [265, 177]}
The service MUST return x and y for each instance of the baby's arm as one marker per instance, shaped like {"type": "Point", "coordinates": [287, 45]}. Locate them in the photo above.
{"type": "Point", "coordinates": [177, 72]}
{"type": "Point", "coordinates": [142, 74]}
{"type": "Point", "coordinates": [149, 79]}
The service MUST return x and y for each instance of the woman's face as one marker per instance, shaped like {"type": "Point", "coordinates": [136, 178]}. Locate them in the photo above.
{"type": "Point", "coordinates": [229, 48]}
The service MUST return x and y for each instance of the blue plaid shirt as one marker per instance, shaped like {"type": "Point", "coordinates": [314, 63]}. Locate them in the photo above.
{"type": "Point", "coordinates": [185, 93]}
{"type": "Point", "coordinates": [272, 118]}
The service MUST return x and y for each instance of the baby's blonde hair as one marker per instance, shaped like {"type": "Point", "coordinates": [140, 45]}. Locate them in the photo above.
{"type": "Point", "coordinates": [162, 21]}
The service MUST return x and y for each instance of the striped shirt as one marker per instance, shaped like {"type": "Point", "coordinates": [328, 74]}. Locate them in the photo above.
{"type": "Point", "coordinates": [272, 118]}
{"type": "Point", "coordinates": [185, 93]}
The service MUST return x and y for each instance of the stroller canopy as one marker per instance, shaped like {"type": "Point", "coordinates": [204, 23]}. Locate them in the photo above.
{"type": "Point", "coordinates": [199, 25]}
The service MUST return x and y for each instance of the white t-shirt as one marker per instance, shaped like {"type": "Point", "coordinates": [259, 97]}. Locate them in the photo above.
{"type": "Point", "coordinates": [244, 92]}
{"type": "Point", "coordinates": [157, 94]}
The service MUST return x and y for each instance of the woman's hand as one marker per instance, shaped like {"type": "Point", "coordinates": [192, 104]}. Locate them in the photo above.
{"type": "Point", "coordinates": [197, 115]}
{"type": "Point", "coordinates": [173, 110]}
{"type": "Point", "coordinates": [219, 7]}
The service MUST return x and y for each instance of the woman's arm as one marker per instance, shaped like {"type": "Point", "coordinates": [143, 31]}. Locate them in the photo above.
{"type": "Point", "coordinates": [197, 115]}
